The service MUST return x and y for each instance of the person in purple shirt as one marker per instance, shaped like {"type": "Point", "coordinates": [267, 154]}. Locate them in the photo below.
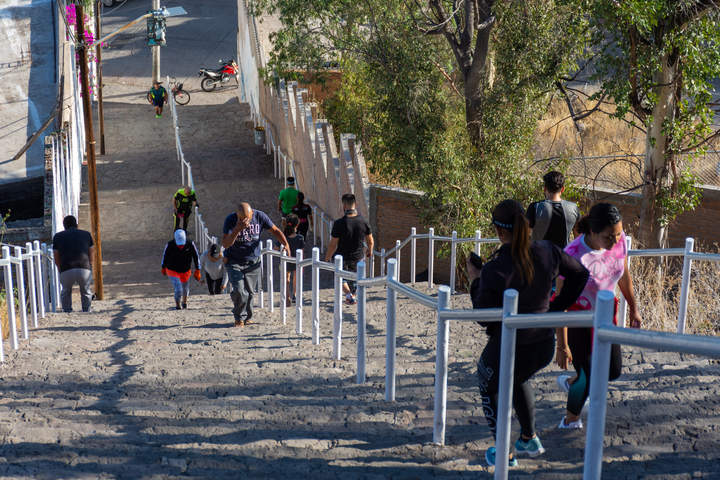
{"type": "Point", "coordinates": [241, 240]}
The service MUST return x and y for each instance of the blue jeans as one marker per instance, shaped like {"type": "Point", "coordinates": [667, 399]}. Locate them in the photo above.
{"type": "Point", "coordinates": [244, 280]}
{"type": "Point", "coordinates": [181, 289]}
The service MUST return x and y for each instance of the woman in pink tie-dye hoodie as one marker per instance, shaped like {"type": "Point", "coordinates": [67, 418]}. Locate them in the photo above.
{"type": "Point", "coordinates": [603, 251]}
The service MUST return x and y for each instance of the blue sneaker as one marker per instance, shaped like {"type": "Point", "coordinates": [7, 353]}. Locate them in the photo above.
{"type": "Point", "coordinates": [490, 458]}
{"type": "Point", "coordinates": [532, 447]}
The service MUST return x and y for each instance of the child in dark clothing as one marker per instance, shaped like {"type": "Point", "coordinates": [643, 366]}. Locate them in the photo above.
{"type": "Point", "coordinates": [295, 240]}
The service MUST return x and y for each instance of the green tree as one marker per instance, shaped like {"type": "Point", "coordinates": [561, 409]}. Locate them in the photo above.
{"type": "Point", "coordinates": [444, 102]}
{"type": "Point", "coordinates": [657, 59]}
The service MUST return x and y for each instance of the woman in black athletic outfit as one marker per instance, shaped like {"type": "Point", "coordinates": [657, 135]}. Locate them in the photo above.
{"type": "Point", "coordinates": [529, 268]}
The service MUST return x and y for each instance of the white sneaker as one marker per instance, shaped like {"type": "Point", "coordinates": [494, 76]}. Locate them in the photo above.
{"type": "Point", "coordinates": [563, 382]}
{"type": "Point", "coordinates": [576, 425]}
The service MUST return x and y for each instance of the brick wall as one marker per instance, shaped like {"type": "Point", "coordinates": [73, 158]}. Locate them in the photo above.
{"type": "Point", "coordinates": [703, 223]}
{"type": "Point", "coordinates": [393, 212]}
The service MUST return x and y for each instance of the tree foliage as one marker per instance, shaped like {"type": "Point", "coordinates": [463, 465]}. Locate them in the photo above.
{"type": "Point", "coordinates": [657, 59]}
{"type": "Point", "coordinates": [426, 117]}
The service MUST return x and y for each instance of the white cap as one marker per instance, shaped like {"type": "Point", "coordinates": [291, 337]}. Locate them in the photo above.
{"type": "Point", "coordinates": [180, 236]}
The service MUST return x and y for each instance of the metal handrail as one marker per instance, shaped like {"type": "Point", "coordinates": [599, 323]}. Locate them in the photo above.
{"type": "Point", "coordinates": [36, 270]}
{"type": "Point", "coordinates": [202, 235]}
{"type": "Point", "coordinates": [605, 335]}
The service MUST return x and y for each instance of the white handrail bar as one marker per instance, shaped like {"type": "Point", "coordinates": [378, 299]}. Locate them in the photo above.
{"type": "Point", "coordinates": [484, 314]}
{"type": "Point", "coordinates": [411, 293]}
{"type": "Point", "coordinates": [657, 252]}
{"type": "Point", "coordinates": [202, 236]}
{"type": "Point", "coordinates": [605, 335]}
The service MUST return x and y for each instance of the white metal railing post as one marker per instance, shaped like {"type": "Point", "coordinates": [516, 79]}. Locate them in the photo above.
{"type": "Point", "coordinates": [337, 308]}
{"type": "Point", "coordinates": [413, 254]}
{"type": "Point", "coordinates": [56, 276]}
{"type": "Point", "coordinates": [431, 255]}
{"type": "Point", "coordinates": [10, 298]}
{"type": "Point", "coordinates": [685, 286]}
{"type": "Point", "coordinates": [259, 286]}
{"type": "Point", "coordinates": [390, 334]}
{"type": "Point", "coordinates": [361, 325]}
{"type": "Point", "coordinates": [600, 361]}
{"type": "Point", "coordinates": [50, 279]}
{"type": "Point", "coordinates": [382, 262]}
{"type": "Point", "coordinates": [22, 304]}
{"type": "Point", "coordinates": [41, 293]}
{"type": "Point", "coordinates": [196, 223]}
{"type": "Point", "coordinates": [298, 292]}
{"type": "Point", "coordinates": [453, 260]}
{"type": "Point", "coordinates": [507, 374]}
{"type": "Point", "coordinates": [315, 296]}
{"type": "Point", "coordinates": [314, 226]}
{"type": "Point", "coordinates": [31, 284]}
{"type": "Point", "coordinates": [269, 278]}
{"type": "Point", "coordinates": [622, 306]}
{"type": "Point", "coordinates": [371, 268]}
{"type": "Point", "coordinates": [441, 367]}
{"type": "Point", "coordinates": [283, 286]}
{"type": "Point", "coordinates": [478, 237]}
{"type": "Point", "coordinates": [397, 259]}
{"type": "Point", "coordinates": [322, 229]}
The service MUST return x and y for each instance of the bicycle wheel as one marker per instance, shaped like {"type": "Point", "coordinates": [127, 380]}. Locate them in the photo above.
{"type": "Point", "coordinates": [182, 97]}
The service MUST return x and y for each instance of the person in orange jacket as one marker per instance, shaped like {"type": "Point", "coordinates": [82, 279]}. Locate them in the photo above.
{"type": "Point", "coordinates": [178, 257]}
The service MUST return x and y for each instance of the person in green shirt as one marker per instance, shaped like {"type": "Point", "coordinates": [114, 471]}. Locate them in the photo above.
{"type": "Point", "coordinates": [287, 199]}
{"type": "Point", "coordinates": [183, 202]}
{"type": "Point", "coordinates": [157, 96]}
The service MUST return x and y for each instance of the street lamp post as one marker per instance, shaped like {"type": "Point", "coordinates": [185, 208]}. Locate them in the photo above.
{"type": "Point", "coordinates": [155, 50]}
{"type": "Point", "coordinates": [82, 48]}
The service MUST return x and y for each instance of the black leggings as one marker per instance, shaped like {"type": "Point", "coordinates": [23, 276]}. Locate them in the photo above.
{"type": "Point", "coordinates": [529, 359]}
{"type": "Point", "coordinates": [214, 286]}
{"type": "Point", "coordinates": [580, 341]}
{"type": "Point", "coordinates": [184, 220]}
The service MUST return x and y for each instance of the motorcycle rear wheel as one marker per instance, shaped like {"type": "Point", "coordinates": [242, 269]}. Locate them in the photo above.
{"type": "Point", "coordinates": [182, 97]}
{"type": "Point", "coordinates": [208, 84]}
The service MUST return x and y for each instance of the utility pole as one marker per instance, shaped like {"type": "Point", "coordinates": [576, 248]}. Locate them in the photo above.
{"type": "Point", "coordinates": [155, 50]}
{"type": "Point", "coordinates": [98, 54]}
{"type": "Point", "coordinates": [90, 147]}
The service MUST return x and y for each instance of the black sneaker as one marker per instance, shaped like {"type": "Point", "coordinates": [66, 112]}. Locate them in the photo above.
{"type": "Point", "coordinates": [184, 306]}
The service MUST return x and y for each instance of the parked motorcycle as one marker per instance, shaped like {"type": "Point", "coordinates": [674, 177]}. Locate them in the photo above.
{"type": "Point", "coordinates": [213, 78]}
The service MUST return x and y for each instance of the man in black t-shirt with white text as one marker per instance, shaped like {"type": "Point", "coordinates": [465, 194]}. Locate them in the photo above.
{"type": "Point", "coordinates": [74, 253]}
{"type": "Point", "coordinates": [347, 237]}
